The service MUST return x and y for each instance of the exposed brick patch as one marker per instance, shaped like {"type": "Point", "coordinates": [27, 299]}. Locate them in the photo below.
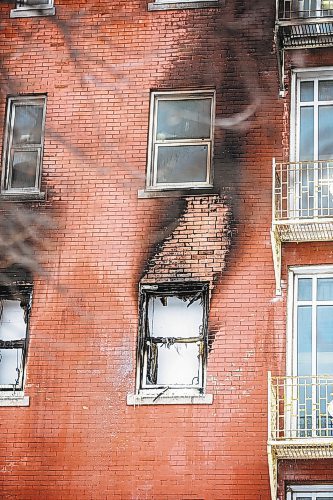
{"type": "Point", "coordinates": [197, 248]}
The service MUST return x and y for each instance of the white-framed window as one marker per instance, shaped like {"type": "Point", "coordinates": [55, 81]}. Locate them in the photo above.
{"type": "Point", "coordinates": [23, 145]}
{"type": "Point", "coordinates": [15, 304]}
{"type": "Point", "coordinates": [33, 8]}
{"type": "Point", "coordinates": [181, 140]}
{"type": "Point", "coordinates": [311, 143]}
{"type": "Point", "coordinates": [314, 8]}
{"type": "Point", "coordinates": [172, 344]}
{"type": "Point", "coordinates": [310, 351]}
{"type": "Point", "coordinates": [310, 492]}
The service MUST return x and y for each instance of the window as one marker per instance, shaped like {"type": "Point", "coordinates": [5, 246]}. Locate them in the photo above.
{"type": "Point", "coordinates": [32, 8]}
{"type": "Point", "coordinates": [14, 318]}
{"type": "Point", "coordinates": [308, 492]}
{"type": "Point", "coordinates": [172, 346]}
{"type": "Point", "coordinates": [315, 8]}
{"type": "Point", "coordinates": [312, 350]}
{"type": "Point", "coordinates": [23, 149]}
{"type": "Point", "coordinates": [312, 146]}
{"type": "Point", "coordinates": [181, 140]}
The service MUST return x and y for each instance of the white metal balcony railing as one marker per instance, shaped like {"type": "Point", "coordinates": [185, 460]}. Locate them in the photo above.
{"type": "Point", "coordinates": [301, 408]}
{"type": "Point", "coordinates": [305, 23]}
{"type": "Point", "coordinates": [303, 200]}
{"type": "Point", "coordinates": [300, 420]}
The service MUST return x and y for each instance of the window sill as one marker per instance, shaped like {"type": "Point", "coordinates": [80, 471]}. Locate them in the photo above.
{"type": "Point", "coordinates": [22, 12]}
{"type": "Point", "coordinates": [200, 4]}
{"type": "Point", "coordinates": [22, 196]}
{"type": "Point", "coordinates": [141, 400]}
{"type": "Point", "coordinates": [12, 400]}
{"type": "Point", "coordinates": [175, 193]}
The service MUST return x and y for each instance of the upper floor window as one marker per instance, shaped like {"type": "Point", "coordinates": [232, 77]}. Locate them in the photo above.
{"type": "Point", "coordinates": [31, 8]}
{"type": "Point", "coordinates": [181, 140]}
{"type": "Point", "coordinates": [311, 170]}
{"type": "Point", "coordinates": [23, 147]}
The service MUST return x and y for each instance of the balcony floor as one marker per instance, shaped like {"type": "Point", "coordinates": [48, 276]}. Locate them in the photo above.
{"type": "Point", "coordinates": [303, 449]}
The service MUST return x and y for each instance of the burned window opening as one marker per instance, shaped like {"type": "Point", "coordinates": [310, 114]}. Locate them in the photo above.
{"type": "Point", "coordinates": [15, 303]}
{"type": "Point", "coordinates": [172, 347]}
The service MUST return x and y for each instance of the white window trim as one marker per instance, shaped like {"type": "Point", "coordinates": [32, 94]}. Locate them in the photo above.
{"type": "Point", "coordinates": [183, 4]}
{"type": "Point", "coordinates": [8, 136]}
{"type": "Point", "coordinates": [153, 144]}
{"type": "Point", "coordinates": [33, 10]}
{"type": "Point", "coordinates": [160, 395]}
{"type": "Point", "coordinates": [313, 490]}
{"type": "Point", "coordinates": [291, 344]}
{"type": "Point", "coordinates": [297, 76]}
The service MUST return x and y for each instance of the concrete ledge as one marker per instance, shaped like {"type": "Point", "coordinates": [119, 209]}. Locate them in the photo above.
{"type": "Point", "coordinates": [183, 5]}
{"type": "Point", "coordinates": [24, 12]}
{"type": "Point", "coordinates": [14, 400]}
{"type": "Point", "coordinates": [176, 193]}
{"type": "Point", "coordinates": [138, 400]}
{"type": "Point", "coordinates": [7, 196]}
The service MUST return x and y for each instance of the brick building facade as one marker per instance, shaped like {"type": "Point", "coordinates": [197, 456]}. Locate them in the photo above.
{"type": "Point", "coordinates": [141, 308]}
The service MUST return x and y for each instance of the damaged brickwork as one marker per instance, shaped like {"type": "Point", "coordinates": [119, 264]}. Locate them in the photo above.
{"type": "Point", "coordinates": [196, 250]}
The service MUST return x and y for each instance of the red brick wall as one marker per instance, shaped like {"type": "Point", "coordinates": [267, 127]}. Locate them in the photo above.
{"type": "Point", "coordinates": [97, 62]}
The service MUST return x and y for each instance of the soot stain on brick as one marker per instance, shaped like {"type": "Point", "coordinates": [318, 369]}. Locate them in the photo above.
{"type": "Point", "coordinates": [230, 142]}
{"type": "Point", "coordinates": [167, 225]}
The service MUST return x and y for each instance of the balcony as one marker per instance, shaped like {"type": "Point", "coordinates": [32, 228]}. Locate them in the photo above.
{"type": "Point", "coordinates": [305, 23]}
{"type": "Point", "coordinates": [302, 205]}
{"type": "Point", "coordinates": [301, 24]}
{"type": "Point", "coordinates": [300, 423]}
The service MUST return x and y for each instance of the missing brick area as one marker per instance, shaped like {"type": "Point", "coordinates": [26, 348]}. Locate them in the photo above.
{"type": "Point", "coordinates": [196, 249]}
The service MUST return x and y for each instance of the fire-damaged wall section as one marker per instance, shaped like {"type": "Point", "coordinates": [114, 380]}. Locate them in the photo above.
{"type": "Point", "coordinates": [196, 250]}
{"type": "Point", "coordinates": [173, 338]}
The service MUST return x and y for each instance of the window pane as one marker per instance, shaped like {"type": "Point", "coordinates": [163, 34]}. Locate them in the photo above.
{"type": "Point", "coordinates": [305, 289]}
{"type": "Point", "coordinates": [175, 317]}
{"type": "Point", "coordinates": [325, 131]}
{"type": "Point", "coordinates": [28, 124]}
{"type": "Point", "coordinates": [178, 364]}
{"type": "Point", "coordinates": [304, 340]}
{"type": "Point", "coordinates": [306, 147]}
{"type": "Point", "coordinates": [325, 88]}
{"type": "Point", "coordinates": [324, 339]}
{"type": "Point", "coordinates": [181, 164]}
{"type": "Point", "coordinates": [325, 289]}
{"type": "Point", "coordinates": [185, 119]}
{"type": "Point", "coordinates": [306, 91]}
{"type": "Point", "coordinates": [24, 169]}
{"type": "Point", "coordinates": [12, 324]}
{"type": "Point", "coordinates": [10, 366]}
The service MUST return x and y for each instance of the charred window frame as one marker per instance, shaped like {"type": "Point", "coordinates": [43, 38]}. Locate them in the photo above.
{"type": "Point", "coordinates": [15, 306]}
{"type": "Point", "coordinates": [181, 136]}
{"type": "Point", "coordinates": [33, 8]}
{"type": "Point", "coordinates": [23, 145]}
{"type": "Point", "coordinates": [171, 356]}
